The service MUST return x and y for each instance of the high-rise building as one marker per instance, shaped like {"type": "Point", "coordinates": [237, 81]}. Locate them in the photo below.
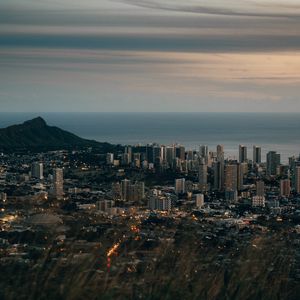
{"type": "Point", "coordinates": [180, 152]}
{"type": "Point", "coordinates": [37, 170]}
{"type": "Point", "coordinates": [150, 153]}
{"type": "Point", "coordinates": [125, 184]}
{"type": "Point", "coordinates": [136, 191]}
{"type": "Point", "coordinates": [180, 186]}
{"type": "Point", "coordinates": [128, 151]}
{"type": "Point", "coordinates": [231, 177]}
{"type": "Point", "coordinates": [203, 153]}
{"type": "Point", "coordinates": [160, 202]}
{"type": "Point", "coordinates": [132, 191]}
{"type": "Point", "coordinates": [203, 173]}
{"type": "Point", "coordinates": [297, 179]}
{"type": "Point", "coordinates": [256, 155]}
{"type": "Point", "coordinates": [242, 153]}
{"type": "Point", "coordinates": [218, 168]}
{"type": "Point", "coordinates": [273, 161]}
{"type": "Point", "coordinates": [220, 153]}
{"type": "Point", "coordinates": [163, 153]}
{"type": "Point", "coordinates": [58, 183]}
{"type": "Point", "coordinates": [190, 155]}
{"type": "Point", "coordinates": [157, 155]}
{"type": "Point", "coordinates": [285, 187]}
{"type": "Point", "coordinates": [170, 155]}
{"type": "Point", "coordinates": [242, 171]}
{"type": "Point", "coordinates": [260, 188]}
{"type": "Point", "coordinates": [126, 159]}
{"type": "Point", "coordinates": [110, 158]}
{"type": "Point", "coordinates": [199, 200]}
{"type": "Point", "coordinates": [137, 159]}
{"type": "Point", "coordinates": [258, 201]}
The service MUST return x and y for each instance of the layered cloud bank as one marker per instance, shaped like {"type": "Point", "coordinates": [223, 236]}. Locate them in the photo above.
{"type": "Point", "coordinates": [149, 55]}
{"type": "Point", "coordinates": [263, 8]}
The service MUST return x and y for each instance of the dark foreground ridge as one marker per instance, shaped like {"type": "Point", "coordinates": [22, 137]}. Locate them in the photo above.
{"type": "Point", "coordinates": [36, 135]}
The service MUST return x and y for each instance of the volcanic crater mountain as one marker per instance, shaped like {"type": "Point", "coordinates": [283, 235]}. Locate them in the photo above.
{"type": "Point", "coordinates": [37, 135]}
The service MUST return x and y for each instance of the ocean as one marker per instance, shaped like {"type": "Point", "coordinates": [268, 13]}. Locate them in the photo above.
{"type": "Point", "coordinates": [271, 131]}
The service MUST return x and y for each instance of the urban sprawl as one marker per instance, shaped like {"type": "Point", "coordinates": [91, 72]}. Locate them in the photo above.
{"type": "Point", "coordinates": [124, 219]}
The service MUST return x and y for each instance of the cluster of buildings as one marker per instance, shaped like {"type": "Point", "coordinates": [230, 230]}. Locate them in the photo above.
{"type": "Point", "coordinates": [82, 203]}
{"type": "Point", "coordinates": [232, 179]}
{"type": "Point", "coordinates": [184, 175]}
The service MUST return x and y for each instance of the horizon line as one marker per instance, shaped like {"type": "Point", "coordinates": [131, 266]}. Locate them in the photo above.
{"type": "Point", "coordinates": [149, 112]}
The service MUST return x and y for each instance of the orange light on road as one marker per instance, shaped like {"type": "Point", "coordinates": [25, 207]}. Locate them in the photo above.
{"type": "Point", "coordinates": [113, 249]}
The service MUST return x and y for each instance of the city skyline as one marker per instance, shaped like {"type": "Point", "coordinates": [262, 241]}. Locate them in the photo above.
{"type": "Point", "coordinates": [149, 56]}
{"type": "Point", "coordinates": [149, 149]}
{"type": "Point", "coordinates": [112, 217]}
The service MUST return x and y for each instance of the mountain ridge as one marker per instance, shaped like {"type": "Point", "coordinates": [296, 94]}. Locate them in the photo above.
{"type": "Point", "coordinates": [36, 134]}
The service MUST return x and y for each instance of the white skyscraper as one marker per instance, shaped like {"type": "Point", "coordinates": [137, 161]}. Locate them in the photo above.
{"type": "Point", "coordinates": [110, 158]}
{"type": "Point", "coordinates": [37, 170]}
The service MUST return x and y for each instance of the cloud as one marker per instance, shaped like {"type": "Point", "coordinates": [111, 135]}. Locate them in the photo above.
{"type": "Point", "coordinates": [64, 79]}
{"type": "Point", "coordinates": [142, 59]}
{"type": "Point", "coordinates": [228, 8]}
{"type": "Point", "coordinates": [155, 42]}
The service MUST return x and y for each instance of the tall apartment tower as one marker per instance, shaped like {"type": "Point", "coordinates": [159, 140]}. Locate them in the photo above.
{"type": "Point", "coordinates": [136, 191]}
{"type": "Point", "coordinates": [128, 152]}
{"type": "Point", "coordinates": [180, 152]}
{"type": "Point", "coordinates": [242, 153]}
{"type": "Point", "coordinates": [110, 158]}
{"type": "Point", "coordinates": [219, 169]}
{"type": "Point", "coordinates": [273, 161]}
{"type": "Point", "coordinates": [163, 155]}
{"type": "Point", "coordinates": [37, 170]}
{"type": "Point", "coordinates": [203, 152]}
{"type": "Point", "coordinates": [58, 183]}
{"type": "Point", "coordinates": [160, 202]}
{"type": "Point", "coordinates": [220, 153]}
{"type": "Point", "coordinates": [260, 188]}
{"type": "Point", "coordinates": [231, 177]}
{"type": "Point", "coordinates": [285, 187]}
{"type": "Point", "coordinates": [297, 179]}
{"type": "Point", "coordinates": [157, 155]}
{"type": "Point", "coordinates": [203, 175]}
{"type": "Point", "coordinates": [242, 169]}
{"type": "Point", "coordinates": [190, 155]}
{"type": "Point", "coordinates": [170, 155]}
{"type": "Point", "coordinates": [256, 155]}
{"type": "Point", "coordinates": [125, 189]}
{"type": "Point", "coordinates": [199, 200]}
{"type": "Point", "coordinates": [180, 186]}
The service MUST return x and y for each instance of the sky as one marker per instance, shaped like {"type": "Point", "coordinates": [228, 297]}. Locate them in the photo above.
{"type": "Point", "coordinates": [150, 55]}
